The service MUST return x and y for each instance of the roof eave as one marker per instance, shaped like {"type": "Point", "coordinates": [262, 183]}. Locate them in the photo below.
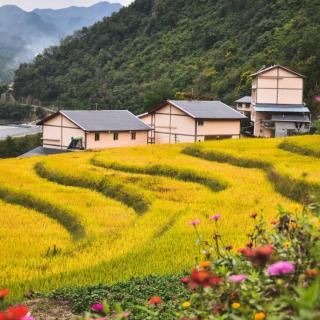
{"type": "Point", "coordinates": [115, 130]}
{"type": "Point", "coordinates": [51, 116]}
{"type": "Point", "coordinates": [74, 122]}
{"type": "Point", "coordinates": [230, 119]}
{"type": "Point", "coordinates": [183, 110]}
{"type": "Point", "coordinates": [277, 66]}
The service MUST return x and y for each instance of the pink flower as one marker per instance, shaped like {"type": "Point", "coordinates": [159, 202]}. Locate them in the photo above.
{"type": "Point", "coordinates": [194, 222]}
{"type": "Point", "coordinates": [215, 217]}
{"type": "Point", "coordinates": [28, 318]}
{"type": "Point", "coordinates": [281, 267]}
{"type": "Point", "coordinates": [238, 278]}
{"type": "Point", "coordinates": [317, 98]}
{"type": "Point", "coordinates": [97, 307]}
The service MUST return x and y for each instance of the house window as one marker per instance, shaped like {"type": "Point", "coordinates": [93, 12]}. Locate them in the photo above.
{"type": "Point", "coordinates": [133, 135]}
{"type": "Point", "coordinates": [97, 137]}
{"type": "Point", "coordinates": [116, 136]}
{"type": "Point", "coordinates": [200, 123]}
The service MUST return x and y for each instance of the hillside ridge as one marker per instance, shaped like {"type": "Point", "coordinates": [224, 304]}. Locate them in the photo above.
{"type": "Point", "coordinates": [151, 50]}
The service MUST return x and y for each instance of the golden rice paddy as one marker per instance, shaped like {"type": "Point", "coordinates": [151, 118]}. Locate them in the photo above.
{"type": "Point", "coordinates": [102, 217]}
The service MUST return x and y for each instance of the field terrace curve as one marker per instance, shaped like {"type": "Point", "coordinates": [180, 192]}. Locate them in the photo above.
{"type": "Point", "coordinates": [134, 210]}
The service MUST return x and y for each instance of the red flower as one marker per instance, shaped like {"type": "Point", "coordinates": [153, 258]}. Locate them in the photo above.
{"type": "Point", "coordinates": [202, 278]}
{"type": "Point", "coordinates": [4, 293]}
{"type": "Point", "coordinates": [274, 222]}
{"type": "Point", "coordinates": [311, 273]}
{"type": "Point", "coordinates": [14, 313]}
{"type": "Point", "coordinates": [155, 300]}
{"type": "Point", "coordinates": [258, 256]}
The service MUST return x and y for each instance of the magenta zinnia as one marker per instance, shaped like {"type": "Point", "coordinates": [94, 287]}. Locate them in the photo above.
{"type": "Point", "coordinates": [97, 307]}
{"type": "Point", "coordinates": [281, 267]}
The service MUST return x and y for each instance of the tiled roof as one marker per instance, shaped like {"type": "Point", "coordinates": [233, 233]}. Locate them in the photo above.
{"type": "Point", "coordinates": [207, 109]}
{"type": "Point", "coordinates": [40, 151]}
{"type": "Point", "coordinates": [104, 120]}
{"type": "Point", "coordinates": [245, 99]}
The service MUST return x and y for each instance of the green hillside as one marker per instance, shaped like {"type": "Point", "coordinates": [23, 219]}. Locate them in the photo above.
{"type": "Point", "coordinates": [155, 48]}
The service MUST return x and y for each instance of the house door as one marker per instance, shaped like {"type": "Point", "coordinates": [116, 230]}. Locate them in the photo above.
{"type": "Point", "coordinates": [76, 144]}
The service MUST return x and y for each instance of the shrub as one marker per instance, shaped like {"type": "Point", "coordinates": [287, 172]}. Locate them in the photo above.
{"type": "Point", "coordinates": [275, 276]}
{"type": "Point", "coordinates": [14, 147]}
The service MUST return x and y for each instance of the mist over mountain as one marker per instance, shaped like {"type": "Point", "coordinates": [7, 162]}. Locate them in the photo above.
{"type": "Point", "coordinates": [24, 34]}
{"type": "Point", "coordinates": [74, 18]}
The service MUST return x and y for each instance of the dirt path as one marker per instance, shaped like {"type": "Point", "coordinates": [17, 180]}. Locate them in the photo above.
{"type": "Point", "coordinates": [45, 309]}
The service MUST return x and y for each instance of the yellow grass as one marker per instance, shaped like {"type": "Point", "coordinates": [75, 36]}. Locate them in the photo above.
{"type": "Point", "coordinates": [120, 213]}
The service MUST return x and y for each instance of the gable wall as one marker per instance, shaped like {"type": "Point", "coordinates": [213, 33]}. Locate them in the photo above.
{"type": "Point", "coordinates": [279, 86]}
{"type": "Point", "coordinates": [173, 125]}
{"type": "Point", "coordinates": [58, 131]}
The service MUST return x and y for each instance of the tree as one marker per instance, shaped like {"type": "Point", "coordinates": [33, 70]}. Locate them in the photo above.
{"type": "Point", "coordinates": [158, 93]}
{"type": "Point", "coordinates": [316, 126]}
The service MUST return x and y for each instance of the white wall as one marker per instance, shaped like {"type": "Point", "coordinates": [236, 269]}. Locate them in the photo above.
{"type": "Point", "coordinates": [58, 132]}
{"type": "Point", "coordinates": [173, 126]}
{"type": "Point", "coordinates": [124, 139]}
{"type": "Point", "coordinates": [279, 86]}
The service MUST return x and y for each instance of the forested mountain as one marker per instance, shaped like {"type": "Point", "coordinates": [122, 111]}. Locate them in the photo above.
{"type": "Point", "coordinates": [74, 18]}
{"type": "Point", "coordinates": [25, 34]}
{"type": "Point", "coordinates": [155, 48]}
{"type": "Point", "coordinates": [21, 36]}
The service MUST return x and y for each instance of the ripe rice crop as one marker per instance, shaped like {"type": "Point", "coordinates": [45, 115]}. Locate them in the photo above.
{"type": "Point", "coordinates": [307, 146]}
{"type": "Point", "coordinates": [90, 217]}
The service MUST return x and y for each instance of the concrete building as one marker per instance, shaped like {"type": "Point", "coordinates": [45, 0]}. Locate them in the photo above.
{"type": "Point", "coordinates": [277, 107]}
{"type": "Point", "coordinates": [243, 105]}
{"type": "Point", "coordinates": [190, 121]}
{"type": "Point", "coordinates": [81, 129]}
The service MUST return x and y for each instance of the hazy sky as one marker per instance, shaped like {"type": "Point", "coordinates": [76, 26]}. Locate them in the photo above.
{"type": "Point", "coordinates": [32, 4]}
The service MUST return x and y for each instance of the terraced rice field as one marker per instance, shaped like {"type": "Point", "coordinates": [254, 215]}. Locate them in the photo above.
{"type": "Point", "coordinates": [90, 217]}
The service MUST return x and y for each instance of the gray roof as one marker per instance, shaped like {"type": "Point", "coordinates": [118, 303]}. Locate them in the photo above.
{"type": "Point", "coordinates": [105, 120]}
{"type": "Point", "coordinates": [290, 118]}
{"type": "Point", "coordinates": [245, 99]}
{"type": "Point", "coordinates": [40, 151]}
{"type": "Point", "coordinates": [267, 107]}
{"type": "Point", "coordinates": [207, 109]}
{"type": "Point", "coordinates": [265, 69]}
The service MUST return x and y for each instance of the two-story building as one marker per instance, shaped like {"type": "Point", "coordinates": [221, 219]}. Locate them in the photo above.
{"type": "Point", "coordinates": [243, 105]}
{"type": "Point", "coordinates": [277, 107]}
{"type": "Point", "coordinates": [191, 121]}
